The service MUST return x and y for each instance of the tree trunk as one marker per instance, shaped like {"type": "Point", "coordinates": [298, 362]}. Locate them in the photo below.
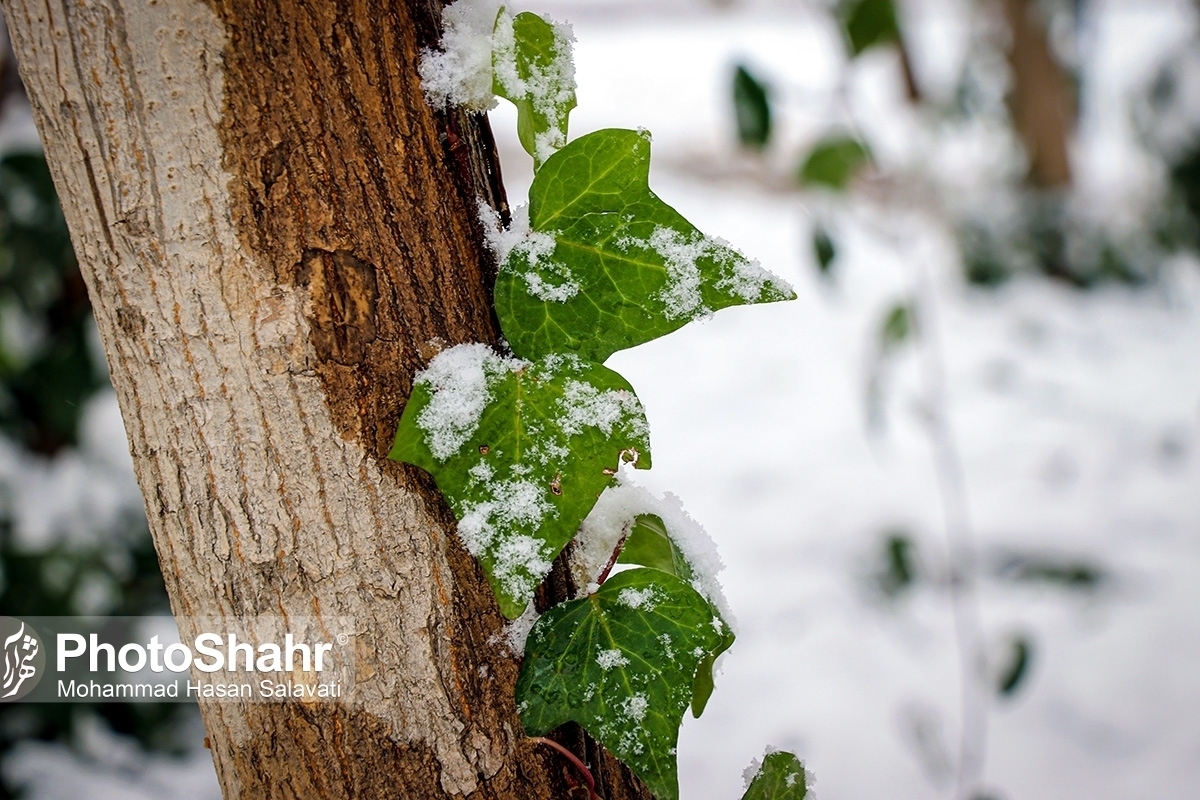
{"type": "Point", "coordinates": [1041, 100]}
{"type": "Point", "coordinates": [274, 225]}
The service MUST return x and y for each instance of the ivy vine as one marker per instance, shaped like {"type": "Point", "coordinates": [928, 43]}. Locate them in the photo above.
{"type": "Point", "coordinates": [522, 444]}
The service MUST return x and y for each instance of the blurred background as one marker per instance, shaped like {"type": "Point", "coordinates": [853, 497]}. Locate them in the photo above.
{"type": "Point", "coordinates": [965, 456]}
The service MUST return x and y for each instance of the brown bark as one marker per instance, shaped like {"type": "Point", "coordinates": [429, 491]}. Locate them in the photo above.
{"type": "Point", "coordinates": [1041, 100]}
{"type": "Point", "coordinates": [274, 225]}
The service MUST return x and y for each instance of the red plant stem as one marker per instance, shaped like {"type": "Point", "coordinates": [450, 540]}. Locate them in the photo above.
{"type": "Point", "coordinates": [587, 773]}
{"type": "Point", "coordinates": [612, 561]}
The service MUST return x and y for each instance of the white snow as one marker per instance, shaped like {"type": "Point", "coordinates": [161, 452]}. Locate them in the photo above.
{"type": "Point", "coordinates": [460, 382]}
{"type": "Point", "coordinates": [461, 73]}
{"type": "Point", "coordinates": [750, 772]}
{"type": "Point", "coordinates": [107, 766]}
{"type": "Point", "coordinates": [517, 631]}
{"type": "Point", "coordinates": [535, 248]}
{"type": "Point", "coordinates": [501, 240]}
{"type": "Point", "coordinates": [538, 250]}
{"type": "Point", "coordinates": [78, 498]}
{"type": "Point", "coordinates": [482, 472]}
{"type": "Point", "coordinates": [583, 405]}
{"type": "Point", "coordinates": [617, 508]}
{"type": "Point", "coordinates": [638, 599]}
{"type": "Point", "coordinates": [682, 296]}
{"type": "Point", "coordinates": [542, 289]}
{"type": "Point", "coordinates": [609, 659]}
{"type": "Point", "coordinates": [741, 276]}
{"type": "Point", "coordinates": [519, 561]}
{"type": "Point", "coordinates": [635, 707]}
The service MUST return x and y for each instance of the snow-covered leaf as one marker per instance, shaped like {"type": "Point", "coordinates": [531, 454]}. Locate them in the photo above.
{"type": "Point", "coordinates": [781, 776]}
{"type": "Point", "coordinates": [620, 663]}
{"type": "Point", "coordinates": [614, 265]}
{"type": "Point", "coordinates": [521, 451]}
{"type": "Point", "coordinates": [532, 68]}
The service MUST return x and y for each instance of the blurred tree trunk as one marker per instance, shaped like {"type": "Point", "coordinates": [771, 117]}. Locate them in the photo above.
{"type": "Point", "coordinates": [1041, 100]}
{"type": "Point", "coordinates": [273, 225]}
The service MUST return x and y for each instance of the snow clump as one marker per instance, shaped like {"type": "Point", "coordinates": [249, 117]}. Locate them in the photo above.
{"type": "Point", "coordinates": [607, 659]}
{"type": "Point", "coordinates": [461, 74]}
{"type": "Point", "coordinates": [616, 509]}
{"type": "Point", "coordinates": [681, 295]}
{"type": "Point", "coordinates": [460, 382]}
{"type": "Point", "coordinates": [635, 707]}
{"type": "Point", "coordinates": [638, 599]}
{"type": "Point", "coordinates": [517, 631]}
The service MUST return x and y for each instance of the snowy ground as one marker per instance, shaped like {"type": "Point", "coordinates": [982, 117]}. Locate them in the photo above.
{"type": "Point", "coordinates": [1077, 416]}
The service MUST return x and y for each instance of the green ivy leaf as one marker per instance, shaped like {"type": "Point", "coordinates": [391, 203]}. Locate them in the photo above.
{"type": "Point", "coordinates": [614, 266]}
{"type": "Point", "coordinates": [704, 682]}
{"type": "Point", "coordinates": [752, 109]}
{"type": "Point", "coordinates": [870, 22]}
{"type": "Point", "coordinates": [834, 162]}
{"type": "Point", "coordinates": [521, 452]}
{"type": "Point", "coordinates": [532, 68]}
{"type": "Point", "coordinates": [780, 777]}
{"type": "Point", "coordinates": [650, 545]}
{"type": "Point", "coordinates": [620, 663]}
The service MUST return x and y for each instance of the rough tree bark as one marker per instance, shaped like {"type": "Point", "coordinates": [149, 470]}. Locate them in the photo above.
{"type": "Point", "coordinates": [273, 225]}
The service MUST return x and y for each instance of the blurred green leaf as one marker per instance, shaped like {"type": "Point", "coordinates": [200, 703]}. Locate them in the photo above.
{"type": "Point", "coordinates": [44, 382]}
{"type": "Point", "coordinates": [824, 249]}
{"type": "Point", "coordinates": [868, 23]}
{"type": "Point", "coordinates": [752, 109]}
{"type": "Point", "coordinates": [834, 162]}
{"type": "Point", "coordinates": [33, 234]}
{"type": "Point", "coordinates": [1064, 572]}
{"type": "Point", "coordinates": [1015, 670]}
{"type": "Point", "coordinates": [898, 326]}
{"type": "Point", "coordinates": [899, 569]}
